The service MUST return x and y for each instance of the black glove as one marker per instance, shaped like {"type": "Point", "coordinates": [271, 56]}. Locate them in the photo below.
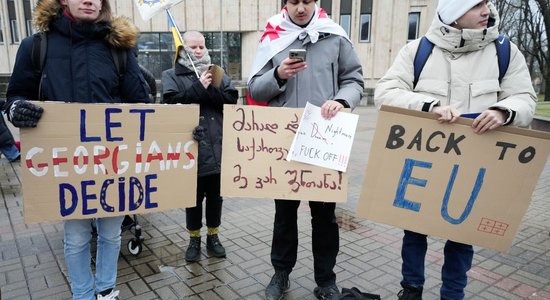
{"type": "Point", "coordinates": [23, 113]}
{"type": "Point", "coordinates": [199, 133]}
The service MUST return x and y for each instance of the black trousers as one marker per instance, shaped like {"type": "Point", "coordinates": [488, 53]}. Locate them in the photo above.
{"type": "Point", "coordinates": [325, 239]}
{"type": "Point", "coordinates": [207, 187]}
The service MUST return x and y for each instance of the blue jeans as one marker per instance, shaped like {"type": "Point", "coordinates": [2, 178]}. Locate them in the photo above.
{"type": "Point", "coordinates": [10, 152]}
{"type": "Point", "coordinates": [78, 234]}
{"type": "Point", "coordinates": [457, 261]}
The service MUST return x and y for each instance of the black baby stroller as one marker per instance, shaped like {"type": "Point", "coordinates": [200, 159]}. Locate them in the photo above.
{"type": "Point", "coordinates": [135, 244]}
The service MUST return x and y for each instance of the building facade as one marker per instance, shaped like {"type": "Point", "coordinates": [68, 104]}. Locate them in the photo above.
{"type": "Point", "coordinates": [377, 28]}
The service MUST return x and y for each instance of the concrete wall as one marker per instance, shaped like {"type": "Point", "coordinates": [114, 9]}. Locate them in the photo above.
{"type": "Point", "coordinates": [388, 32]}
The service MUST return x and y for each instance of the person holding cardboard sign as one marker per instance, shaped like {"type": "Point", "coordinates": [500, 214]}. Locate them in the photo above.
{"type": "Point", "coordinates": [329, 76]}
{"type": "Point", "coordinates": [463, 74]}
{"type": "Point", "coordinates": [211, 91]}
{"type": "Point", "coordinates": [78, 66]}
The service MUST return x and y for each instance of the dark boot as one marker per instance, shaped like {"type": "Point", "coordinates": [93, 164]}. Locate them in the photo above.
{"type": "Point", "coordinates": [278, 285]}
{"type": "Point", "coordinates": [193, 252]}
{"type": "Point", "coordinates": [214, 246]}
{"type": "Point", "coordinates": [410, 293]}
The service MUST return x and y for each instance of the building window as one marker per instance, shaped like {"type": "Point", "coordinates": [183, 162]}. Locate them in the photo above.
{"type": "Point", "coordinates": [365, 28]}
{"type": "Point", "coordinates": [414, 21]}
{"type": "Point", "coordinates": [1, 30]}
{"type": "Point", "coordinates": [366, 20]}
{"type": "Point", "coordinates": [156, 51]}
{"type": "Point", "coordinates": [28, 17]}
{"type": "Point", "coordinates": [13, 22]}
{"type": "Point", "coordinates": [345, 15]}
{"type": "Point", "coordinates": [327, 6]}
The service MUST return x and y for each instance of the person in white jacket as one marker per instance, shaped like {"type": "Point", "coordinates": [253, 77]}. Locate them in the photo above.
{"type": "Point", "coordinates": [460, 76]}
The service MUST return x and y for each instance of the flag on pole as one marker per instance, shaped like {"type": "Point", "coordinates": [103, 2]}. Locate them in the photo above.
{"type": "Point", "coordinates": [149, 8]}
{"type": "Point", "coordinates": [178, 40]}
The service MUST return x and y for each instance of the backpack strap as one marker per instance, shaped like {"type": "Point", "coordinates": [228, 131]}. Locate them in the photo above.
{"type": "Point", "coordinates": [38, 56]}
{"type": "Point", "coordinates": [38, 51]}
{"type": "Point", "coordinates": [424, 51]}
{"type": "Point", "coordinates": [120, 58]}
{"type": "Point", "coordinates": [502, 44]}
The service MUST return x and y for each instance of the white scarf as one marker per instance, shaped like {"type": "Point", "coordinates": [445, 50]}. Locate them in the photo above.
{"type": "Point", "coordinates": [280, 32]}
{"type": "Point", "coordinates": [201, 64]}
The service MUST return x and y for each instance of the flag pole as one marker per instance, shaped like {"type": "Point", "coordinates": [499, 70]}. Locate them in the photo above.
{"type": "Point", "coordinates": [173, 22]}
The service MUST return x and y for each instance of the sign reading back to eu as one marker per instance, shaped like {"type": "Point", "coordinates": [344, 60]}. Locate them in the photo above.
{"type": "Point", "coordinates": [98, 160]}
{"type": "Point", "coordinates": [445, 180]}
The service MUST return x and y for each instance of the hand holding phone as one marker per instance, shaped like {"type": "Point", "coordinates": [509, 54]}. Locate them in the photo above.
{"type": "Point", "coordinates": [299, 54]}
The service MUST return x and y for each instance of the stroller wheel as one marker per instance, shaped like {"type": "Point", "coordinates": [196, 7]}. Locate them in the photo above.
{"type": "Point", "coordinates": [134, 247]}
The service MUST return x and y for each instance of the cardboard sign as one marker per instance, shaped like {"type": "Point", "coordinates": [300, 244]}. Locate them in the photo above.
{"type": "Point", "coordinates": [98, 160]}
{"type": "Point", "coordinates": [256, 140]}
{"type": "Point", "coordinates": [444, 180]}
{"type": "Point", "coordinates": [321, 142]}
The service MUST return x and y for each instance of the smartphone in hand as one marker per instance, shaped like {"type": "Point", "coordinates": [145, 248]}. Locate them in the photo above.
{"type": "Point", "coordinates": [299, 54]}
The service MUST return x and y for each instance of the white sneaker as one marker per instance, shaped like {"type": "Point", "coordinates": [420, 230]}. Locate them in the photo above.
{"type": "Point", "coordinates": [113, 295]}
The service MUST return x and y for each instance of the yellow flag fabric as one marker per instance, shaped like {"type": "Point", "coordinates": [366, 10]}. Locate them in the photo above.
{"type": "Point", "coordinates": [178, 41]}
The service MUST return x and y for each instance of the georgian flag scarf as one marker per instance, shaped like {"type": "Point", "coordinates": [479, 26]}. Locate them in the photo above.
{"type": "Point", "coordinates": [280, 32]}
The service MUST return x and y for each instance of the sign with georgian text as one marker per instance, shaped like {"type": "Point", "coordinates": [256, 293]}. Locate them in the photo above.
{"type": "Point", "coordinates": [256, 142]}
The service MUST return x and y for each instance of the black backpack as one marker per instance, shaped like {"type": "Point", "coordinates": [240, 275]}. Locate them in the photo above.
{"type": "Point", "coordinates": [40, 46]}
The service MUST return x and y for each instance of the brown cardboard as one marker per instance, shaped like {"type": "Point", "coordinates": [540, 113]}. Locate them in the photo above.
{"type": "Point", "coordinates": [511, 170]}
{"type": "Point", "coordinates": [264, 172]}
{"type": "Point", "coordinates": [217, 75]}
{"type": "Point", "coordinates": [145, 129]}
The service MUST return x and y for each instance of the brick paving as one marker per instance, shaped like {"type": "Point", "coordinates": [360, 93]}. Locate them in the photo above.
{"type": "Point", "coordinates": [32, 264]}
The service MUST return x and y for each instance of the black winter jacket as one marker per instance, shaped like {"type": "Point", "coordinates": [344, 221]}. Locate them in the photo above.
{"type": "Point", "coordinates": [181, 85]}
{"type": "Point", "coordinates": [79, 66]}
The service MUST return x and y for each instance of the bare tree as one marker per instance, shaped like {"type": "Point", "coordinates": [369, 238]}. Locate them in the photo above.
{"type": "Point", "coordinates": [544, 9]}
{"type": "Point", "coordinates": [525, 23]}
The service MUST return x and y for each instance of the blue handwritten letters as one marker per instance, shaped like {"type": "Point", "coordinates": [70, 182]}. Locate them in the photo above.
{"type": "Point", "coordinates": [111, 159]}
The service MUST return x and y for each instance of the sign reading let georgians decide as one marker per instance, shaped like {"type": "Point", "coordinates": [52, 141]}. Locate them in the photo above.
{"type": "Point", "coordinates": [98, 160]}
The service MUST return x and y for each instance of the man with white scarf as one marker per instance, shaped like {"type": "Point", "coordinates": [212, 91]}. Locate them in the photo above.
{"type": "Point", "coordinates": [331, 77]}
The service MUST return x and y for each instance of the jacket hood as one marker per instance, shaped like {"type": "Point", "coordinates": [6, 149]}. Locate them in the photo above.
{"type": "Point", "coordinates": [123, 33]}
{"type": "Point", "coordinates": [464, 40]}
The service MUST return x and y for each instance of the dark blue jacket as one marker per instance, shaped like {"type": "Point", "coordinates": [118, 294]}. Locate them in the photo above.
{"type": "Point", "coordinates": [79, 67]}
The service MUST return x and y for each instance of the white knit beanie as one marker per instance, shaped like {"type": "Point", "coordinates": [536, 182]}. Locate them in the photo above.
{"type": "Point", "coordinates": [451, 10]}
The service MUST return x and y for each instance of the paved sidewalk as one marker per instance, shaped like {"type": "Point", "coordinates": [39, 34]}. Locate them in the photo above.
{"type": "Point", "coordinates": [32, 264]}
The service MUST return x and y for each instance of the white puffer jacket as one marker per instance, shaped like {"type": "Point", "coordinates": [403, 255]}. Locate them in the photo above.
{"type": "Point", "coordinates": [462, 71]}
